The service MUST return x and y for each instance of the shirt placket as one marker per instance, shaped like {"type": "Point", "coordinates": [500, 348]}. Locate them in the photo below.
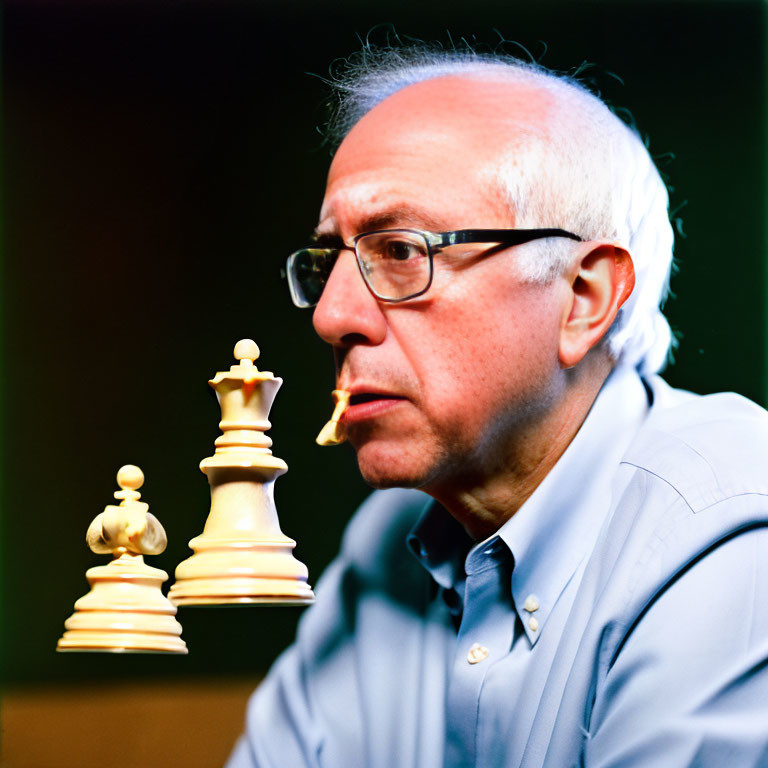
{"type": "Point", "coordinates": [485, 636]}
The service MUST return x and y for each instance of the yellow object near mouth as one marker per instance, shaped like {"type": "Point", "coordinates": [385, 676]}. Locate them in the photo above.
{"type": "Point", "coordinates": [334, 432]}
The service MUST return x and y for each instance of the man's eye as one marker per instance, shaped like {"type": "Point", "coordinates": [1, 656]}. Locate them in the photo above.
{"type": "Point", "coordinates": [401, 250]}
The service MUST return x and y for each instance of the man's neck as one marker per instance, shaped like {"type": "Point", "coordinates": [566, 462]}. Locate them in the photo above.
{"type": "Point", "coordinates": [483, 502]}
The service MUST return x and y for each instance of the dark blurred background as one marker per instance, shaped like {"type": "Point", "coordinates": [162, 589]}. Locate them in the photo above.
{"type": "Point", "coordinates": [161, 159]}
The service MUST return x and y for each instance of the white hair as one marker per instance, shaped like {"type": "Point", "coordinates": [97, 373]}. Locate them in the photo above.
{"type": "Point", "coordinates": [586, 171]}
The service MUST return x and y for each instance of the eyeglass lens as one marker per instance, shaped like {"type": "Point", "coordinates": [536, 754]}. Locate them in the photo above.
{"type": "Point", "coordinates": [395, 264]}
{"type": "Point", "coordinates": [308, 271]}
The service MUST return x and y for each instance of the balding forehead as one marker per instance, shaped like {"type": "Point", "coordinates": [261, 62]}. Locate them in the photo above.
{"type": "Point", "coordinates": [490, 98]}
{"type": "Point", "coordinates": [488, 113]}
{"type": "Point", "coordinates": [442, 144]}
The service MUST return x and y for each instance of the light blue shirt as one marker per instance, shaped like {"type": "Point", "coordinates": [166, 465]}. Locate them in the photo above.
{"type": "Point", "coordinates": [619, 618]}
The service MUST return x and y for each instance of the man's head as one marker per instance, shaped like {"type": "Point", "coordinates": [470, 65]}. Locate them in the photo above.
{"type": "Point", "coordinates": [476, 367]}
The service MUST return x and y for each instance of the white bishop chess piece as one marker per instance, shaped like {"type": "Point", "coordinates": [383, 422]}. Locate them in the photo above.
{"type": "Point", "coordinates": [125, 611]}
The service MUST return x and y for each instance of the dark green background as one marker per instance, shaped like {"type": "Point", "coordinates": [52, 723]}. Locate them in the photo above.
{"type": "Point", "coordinates": [161, 159]}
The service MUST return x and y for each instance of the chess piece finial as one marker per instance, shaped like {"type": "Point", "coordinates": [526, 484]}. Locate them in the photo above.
{"type": "Point", "coordinates": [246, 350]}
{"type": "Point", "coordinates": [130, 478]}
{"type": "Point", "coordinates": [242, 556]}
{"type": "Point", "coordinates": [335, 431]}
{"type": "Point", "coordinates": [125, 611]}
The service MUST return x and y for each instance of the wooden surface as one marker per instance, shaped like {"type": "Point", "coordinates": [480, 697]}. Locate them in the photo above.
{"type": "Point", "coordinates": [141, 725]}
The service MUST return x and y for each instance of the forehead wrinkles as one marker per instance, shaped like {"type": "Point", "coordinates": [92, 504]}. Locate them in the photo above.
{"type": "Point", "coordinates": [376, 205]}
{"type": "Point", "coordinates": [357, 194]}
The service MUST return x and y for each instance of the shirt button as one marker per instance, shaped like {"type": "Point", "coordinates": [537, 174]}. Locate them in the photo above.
{"type": "Point", "coordinates": [531, 604]}
{"type": "Point", "coordinates": [477, 653]}
{"type": "Point", "coordinates": [533, 623]}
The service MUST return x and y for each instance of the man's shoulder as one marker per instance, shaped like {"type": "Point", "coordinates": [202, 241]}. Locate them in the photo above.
{"type": "Point", "coordinates": [690, 500]}
{"type": "Point", "coordinates": [708, 448]}
{"type": "Point", "coordinates": [693, 480]}
{"type": "Point", "coordinates": [694, 477]}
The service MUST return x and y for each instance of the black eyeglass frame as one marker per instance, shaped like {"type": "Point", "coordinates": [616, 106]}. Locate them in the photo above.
{"type": "Point", "coordinates": [435, 241]}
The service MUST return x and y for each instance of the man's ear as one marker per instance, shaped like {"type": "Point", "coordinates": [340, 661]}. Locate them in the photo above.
{"type": "Point", "coordinates": [600, 282]}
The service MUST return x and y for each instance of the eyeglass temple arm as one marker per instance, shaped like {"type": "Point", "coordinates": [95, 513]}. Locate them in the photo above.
{"type": "Point", "coordinates": [506, 236]}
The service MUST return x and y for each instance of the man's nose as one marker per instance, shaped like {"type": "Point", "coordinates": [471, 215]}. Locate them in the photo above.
{"type": "Point", "coordinates": [347, 312]}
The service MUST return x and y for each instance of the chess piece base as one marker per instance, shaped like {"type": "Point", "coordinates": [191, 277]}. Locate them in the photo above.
{"type": "Point", "coordinates": [230, 600]}
{"type": "Point", "coordinates": [238, 590]}
{"type": "Point", "coordinates": [119, 642]}
{"type": "Point", "coordinates": [124, 612]}
{"type": "Point", "coordinates": [265, 573]}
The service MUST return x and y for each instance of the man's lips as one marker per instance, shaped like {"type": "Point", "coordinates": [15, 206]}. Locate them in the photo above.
{"type": "Point", "coordinates": [366, 397]}
{"type": "Point", "coordinates": [366, 404]}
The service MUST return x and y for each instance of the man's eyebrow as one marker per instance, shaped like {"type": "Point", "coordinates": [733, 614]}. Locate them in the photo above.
{"type": "Point", "coordinates": [405, 216]}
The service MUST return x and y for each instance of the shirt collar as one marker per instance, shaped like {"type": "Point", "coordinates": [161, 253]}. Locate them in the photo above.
{"type": "Point", "coordinates": [556, 527]}
{"type": "Point", "coordinates": [440, 544]}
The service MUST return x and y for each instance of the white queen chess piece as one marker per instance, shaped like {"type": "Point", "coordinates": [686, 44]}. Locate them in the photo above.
{"type": "Point", "coordinates": [242, 556]}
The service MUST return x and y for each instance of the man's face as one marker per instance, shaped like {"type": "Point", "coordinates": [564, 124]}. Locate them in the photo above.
{"type": "Point", "coordinates": [445, 385]}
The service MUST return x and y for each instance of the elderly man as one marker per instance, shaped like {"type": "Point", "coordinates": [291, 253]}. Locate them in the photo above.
{"type": "Point", "coordinates": [581, 576]}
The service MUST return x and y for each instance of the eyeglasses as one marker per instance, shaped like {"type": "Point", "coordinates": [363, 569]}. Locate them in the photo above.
{"type": "Point", "coordinates": [396, 264]}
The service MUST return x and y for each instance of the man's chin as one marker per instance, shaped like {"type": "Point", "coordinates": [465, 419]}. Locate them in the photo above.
{"type": "Point", "coordinates": [385, 465]}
